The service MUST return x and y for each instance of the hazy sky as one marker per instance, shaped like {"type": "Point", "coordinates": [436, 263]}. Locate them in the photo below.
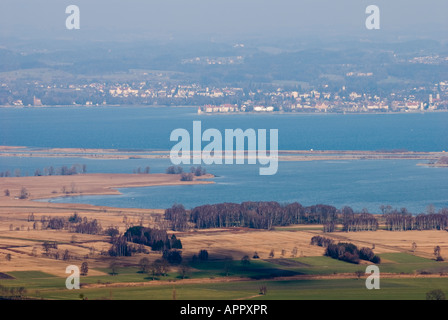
{"type": "Point", "coordinates": [229, 18]}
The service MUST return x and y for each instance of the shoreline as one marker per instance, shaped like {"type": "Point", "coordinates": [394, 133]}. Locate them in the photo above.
{"type": "Point", "coordinates": [48, 187]}
{"type": "Point", "coordinates": [223, 113]}
{"type": "Point", "coordinates": [283, 155]}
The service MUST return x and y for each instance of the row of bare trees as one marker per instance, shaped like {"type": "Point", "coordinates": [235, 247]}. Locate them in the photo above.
{"type": "Point", "coordinates": [12, 293]}
{"type": "Point", "coordinates": [74, 223]}
{"type": "Point", "coordinates": [259, 215]}
{"type": "Point", "coordinates": [265, 215]}
{"type": "Point", "coordinates": [363, 221]}
{"type": "Point", "coordinates": [178, 217]}
{"type": "Point", "coordinates": [139, 170]}
{"type": "Point", "coordinates": [50, 171]}
{"type": "Point", "coordinates": [402, 221]}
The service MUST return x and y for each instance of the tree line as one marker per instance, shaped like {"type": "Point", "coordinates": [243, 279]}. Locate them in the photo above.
{"type": "Point", "coordinates": [74, 223]}
{"type": "Point", "coordinates": [402, 220]}
{"type": "Point", "coordinates": [141, 170]}
{"type": "Point", "coordinates": [260, 215]}
{"type": "Point", "coordinates": [363, 221]}
{"type": "Point", "coordinates": [12, 293]}
{"type": "Point", "coordinates": [266, 215]}
{"type": "Point", "coordinates": [50, 171]}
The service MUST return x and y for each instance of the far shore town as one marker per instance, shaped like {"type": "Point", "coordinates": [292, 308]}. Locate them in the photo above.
{"type": "Point", "coordinates": [235, 99]}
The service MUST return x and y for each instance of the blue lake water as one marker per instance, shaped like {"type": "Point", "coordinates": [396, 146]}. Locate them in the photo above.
{"type": "Point", "coordinates": [150, 128]}
{"type": "Point", "coordinates": [359, 184]}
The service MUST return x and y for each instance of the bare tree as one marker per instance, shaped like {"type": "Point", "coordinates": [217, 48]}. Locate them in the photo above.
{"type": "Point", "coordinates": [228, 261]}
{"type": "Point", "coordinates": [160, 267]}
{"type": "Point", "coordinates": [31, 217]}
{"type": "Point", "coordinates": [245, 260]}
{"type": "Point", "coordinates": [47, 245]}
{"type": "Point", "coordinates": [164, 267]}
{"type": "Point", "coordinates": [184, 270]}
{"type": "Point", "coordinates": [23, 193]}
{"type": "Point", "coordinates": [263, 290]}
{"type": "Point", "coordinates": [153, 269]}
{"type": "Point", "coordinates": [294, 252]}
{"type": "Point", "coordinates": [178, 217]}
{"type": "Point", "coordinates": [144, 265]}
{"type": "Point", "coordinates": [414, 247]}
{"type": "Point", "coordinates": [186, 177]}
{"type": "Point", "coordinates": [113, 266]}
{"type": "Point", "coordinates": [66, 255]}
{"type": "Point", "coordinates": [437, 253]}
{"type": "Point", "coordinates": [84, 268]}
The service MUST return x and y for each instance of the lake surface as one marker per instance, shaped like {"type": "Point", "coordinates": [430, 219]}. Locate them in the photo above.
{"type": "Point", "coordinates": [359, 183]}
{"type": "Point", "coordinates": [150, 128]}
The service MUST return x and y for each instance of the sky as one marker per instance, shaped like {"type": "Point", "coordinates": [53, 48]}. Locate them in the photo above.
{"type": "Point", "coordinates": [189, 19]}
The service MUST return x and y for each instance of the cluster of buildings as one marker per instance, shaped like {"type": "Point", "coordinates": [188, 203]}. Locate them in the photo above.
{"type": "Point", "coordinates": [237, 99]}
{"type": "Point", "coordinates": [326, 102]}
{"type": "Point", "coordinates": [430, 59]}
{"type": "Point", "coordinates": [214, 60]}
{"type": "Point", "coordinates": [226, 108]}
{"type": "Point", "coordinates": [175, 92]}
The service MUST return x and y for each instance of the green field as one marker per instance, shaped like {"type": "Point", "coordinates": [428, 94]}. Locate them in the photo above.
{"type": "Point", "coordinates": [339, 289]}
{"type": "Point", "coordinates": [247, 280]}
